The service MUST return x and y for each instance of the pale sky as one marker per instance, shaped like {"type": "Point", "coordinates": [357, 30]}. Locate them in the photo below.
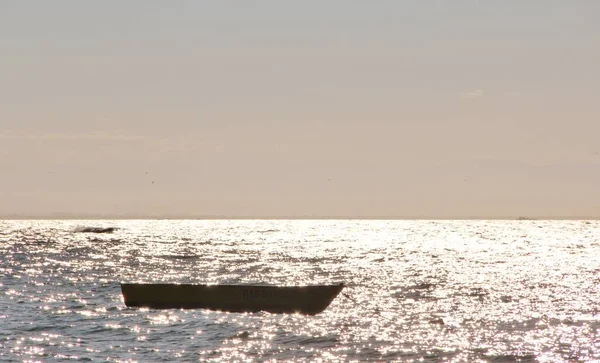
{"type": "Point", "coordinates": [305, 108]}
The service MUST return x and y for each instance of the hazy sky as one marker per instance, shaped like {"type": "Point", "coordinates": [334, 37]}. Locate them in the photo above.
{"type": "Point", "coordinates": [305, 108]}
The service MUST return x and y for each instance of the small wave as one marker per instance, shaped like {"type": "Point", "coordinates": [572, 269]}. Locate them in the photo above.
{"type": "Point", "coordinates": [268, 231]}
{"type": "Point", "coordinates": [423, 286]}
{"type": "Point", "coordinates": [179, 257]}
{"type": "Point", "coordinates": [242, 335]}
{"type": "Point", "coordinates": [476, 292]}
{"type": "Point", "coordinates": [36, 328]}
{"type": "Point", "coordinates": [324, 341]}
{"type": "Point", "coordinates": [511, 358]}
{"type": "Point", "coordinates": [415, 295]}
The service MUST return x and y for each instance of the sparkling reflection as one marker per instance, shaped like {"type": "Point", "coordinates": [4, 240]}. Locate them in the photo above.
{"type": "Point", "coordinates": [417, 290]}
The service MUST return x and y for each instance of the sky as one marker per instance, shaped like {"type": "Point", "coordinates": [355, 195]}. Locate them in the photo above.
{"type": "Point", "coordinates": [429, 109]}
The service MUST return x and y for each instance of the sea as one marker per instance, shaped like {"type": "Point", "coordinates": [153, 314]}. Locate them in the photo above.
{"type": "Point", "coordinates": [416, 290]}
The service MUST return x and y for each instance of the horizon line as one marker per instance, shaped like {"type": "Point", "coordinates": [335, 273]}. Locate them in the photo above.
{"type": "Point", "coordinates": [72, 216]}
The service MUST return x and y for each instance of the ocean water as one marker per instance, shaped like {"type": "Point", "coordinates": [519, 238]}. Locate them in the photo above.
{"type": "Point", "coordinates": [455, 291]}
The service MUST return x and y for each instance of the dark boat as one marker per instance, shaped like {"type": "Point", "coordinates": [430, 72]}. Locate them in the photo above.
{"type": "Point", "coordinates": [309, 300]}
{"type": "Point", "coordinates": [95, 229]}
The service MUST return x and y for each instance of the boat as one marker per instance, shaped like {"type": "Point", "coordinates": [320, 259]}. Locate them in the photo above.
{"type": "Point", "coordinates": [308, 300]}
{"type": "Point", "coordinates": [95, 229]}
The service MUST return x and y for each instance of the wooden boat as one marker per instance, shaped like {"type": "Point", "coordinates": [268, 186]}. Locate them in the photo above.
{"type": "Point", "coordinates": [309, 300]}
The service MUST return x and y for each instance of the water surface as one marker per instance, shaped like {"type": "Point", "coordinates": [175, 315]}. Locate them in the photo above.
{"type": "Point", "coordinates": [431, 290]}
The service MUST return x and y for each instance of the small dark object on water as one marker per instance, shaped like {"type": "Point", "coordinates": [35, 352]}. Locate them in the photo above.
{"type": "Point", "coordinates": [308, 300]}
{"type": "Point", "coordinates": [95, 229]}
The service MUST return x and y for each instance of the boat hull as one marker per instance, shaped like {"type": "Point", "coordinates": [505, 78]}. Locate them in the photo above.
{"type": "Point", "coordinates": [309, 300]}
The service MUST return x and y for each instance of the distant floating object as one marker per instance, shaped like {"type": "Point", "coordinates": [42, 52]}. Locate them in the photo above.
{"type": "Point", "coordinates": [308, 300]}
{"type": "Point", "coordinates": [525, 219]}
{"type": "Point", "coordinates": [95, 229]}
